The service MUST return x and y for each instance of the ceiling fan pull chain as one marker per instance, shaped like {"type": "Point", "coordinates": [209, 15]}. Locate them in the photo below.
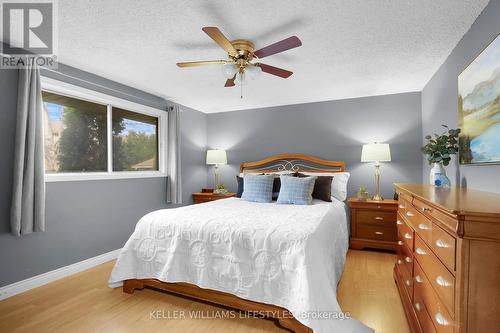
{"type": "Point", "coordinates": [241, 89]}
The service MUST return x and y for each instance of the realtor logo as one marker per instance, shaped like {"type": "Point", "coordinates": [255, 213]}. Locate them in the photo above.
{"type": "Point", "coordinates": [28, 28]}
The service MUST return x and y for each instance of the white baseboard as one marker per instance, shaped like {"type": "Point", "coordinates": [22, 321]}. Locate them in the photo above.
{"type": "Point", "coordinates": [39, 280]}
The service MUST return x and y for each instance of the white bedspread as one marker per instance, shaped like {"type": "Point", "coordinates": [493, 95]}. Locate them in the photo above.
{"type": "Point", "coordinates": [286, 255]}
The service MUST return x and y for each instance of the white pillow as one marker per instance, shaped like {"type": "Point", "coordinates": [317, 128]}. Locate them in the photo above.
{"type": "Point", "coordinates": [339, 183]}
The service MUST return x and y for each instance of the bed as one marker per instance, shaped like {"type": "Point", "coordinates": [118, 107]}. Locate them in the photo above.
{"type": "Point", "coordinates": [272, 260]}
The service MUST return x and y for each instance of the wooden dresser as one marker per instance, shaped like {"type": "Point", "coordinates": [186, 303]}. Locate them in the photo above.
{"type": "Point", "coordinates": [448, 263]}
{"type": "Point", "coordinates": [373, 224]}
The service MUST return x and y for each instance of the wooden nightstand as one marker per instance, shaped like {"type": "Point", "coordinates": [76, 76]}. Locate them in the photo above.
{"type": "Point", "coordinates": [199, 197]}
{"type": "Point", "coordinates": [373, 224]}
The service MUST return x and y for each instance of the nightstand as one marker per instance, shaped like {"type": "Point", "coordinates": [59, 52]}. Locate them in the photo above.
{"type": "Point", "coordinates": [200, 197]}
{"type": "Point", "coordinates": [373, 224]}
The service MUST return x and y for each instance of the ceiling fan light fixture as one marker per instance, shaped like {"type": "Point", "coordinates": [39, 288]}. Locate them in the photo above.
{"type": "Point", "coordinates": [238, 66]}
{"type": "Point", "coordinates": [229, 69]}
{"type": "Point", "coordinates": [253, 71]}
{"type": "Point", "coordinates": [240, 78]}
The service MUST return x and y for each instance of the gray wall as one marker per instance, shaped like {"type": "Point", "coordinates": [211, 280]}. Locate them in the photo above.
{"type": "Point", "coordinates": [440, 99]}
{"type": "Point", "coordinates": [194, 149]}
{"type": "Point", "coordinates": [330, 130]}
{"type": "Point", "coordinates": [86, 218]}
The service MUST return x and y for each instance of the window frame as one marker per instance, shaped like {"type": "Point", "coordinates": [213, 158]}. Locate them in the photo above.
{"type": "Point", "coordinates": [69, 90]}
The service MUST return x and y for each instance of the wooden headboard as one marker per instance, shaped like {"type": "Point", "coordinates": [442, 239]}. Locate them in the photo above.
{"type": "Point", "coordinates": [292, 163]}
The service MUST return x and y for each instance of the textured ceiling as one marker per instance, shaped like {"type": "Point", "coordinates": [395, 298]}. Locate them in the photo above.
{"type": "Point", "coordinates": [351, 48]}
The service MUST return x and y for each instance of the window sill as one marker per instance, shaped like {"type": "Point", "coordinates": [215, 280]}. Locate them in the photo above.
{"type": "Point", "coordinates": [68, 177]}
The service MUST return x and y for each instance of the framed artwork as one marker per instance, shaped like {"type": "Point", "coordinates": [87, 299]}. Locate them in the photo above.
{"type": "Point", "coordinates": [479, 108]}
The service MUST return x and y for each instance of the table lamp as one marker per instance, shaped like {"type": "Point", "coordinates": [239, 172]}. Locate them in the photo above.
{"type": "Point", "coordinates": [376, 152]}
{"type": "Point", "coordinates": [216, 157]}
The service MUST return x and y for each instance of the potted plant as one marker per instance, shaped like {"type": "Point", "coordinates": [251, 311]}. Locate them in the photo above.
{"type": "Point", "coordinates": [363, 193]}
{"type": "Point", "coordinates": [220, 189]}
{"type": "Point", "coordinates": [438, 151]}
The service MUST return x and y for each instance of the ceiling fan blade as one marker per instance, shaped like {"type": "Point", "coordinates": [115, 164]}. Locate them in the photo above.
{"type": "Point", "coordinates": [285, 44]}
{"type": "Point", "coordinates": [220, 39]}
{"type": "Point", "coordinates": [201, 63]}
{"type": "Point", "coordinates": [230, 82]}
{"type": "Point", "coordinates": [275, 70]}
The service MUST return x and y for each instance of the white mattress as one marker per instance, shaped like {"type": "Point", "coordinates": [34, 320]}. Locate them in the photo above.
{"type": "Point", "coordinates": [287, 255]}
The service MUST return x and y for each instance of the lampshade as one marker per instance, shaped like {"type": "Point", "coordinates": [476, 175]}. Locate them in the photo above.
{"type": "Point", "coordinates": [376, 152]}
{"type": "Point", "coordinates": [240, 79]}
{"type": "Point", "coordinates": [252, 71]}
{"type": "Point", "coordinates": [229, 69]}
{"type": "Point", "coordinates": [216, 156]}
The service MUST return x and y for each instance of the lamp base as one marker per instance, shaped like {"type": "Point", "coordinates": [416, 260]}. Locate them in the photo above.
{"type": "Point", "coordinates": [377, 196]}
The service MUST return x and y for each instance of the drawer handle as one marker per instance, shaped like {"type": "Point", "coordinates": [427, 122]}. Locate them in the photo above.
{"type": "Point", "coordinates": [417, 306]}
{"type": "Point", "coordinates": [441, 243]}
{"type": "Point", "coordinates": [422, 226]}
{"type": "Point", "coordinates": [407, 236]}
{"type": "Point", "coordinates": [379, 233]}
{"type": "Point", "coordinates": [408, 283]}
{"type": "Point", "coordinates": [400, 243]}
{"type": "Point", "coordinates": [441, 281]}
{"type": "Point", "coordinates": [420, 251]}
{"type": "Point", "coordinates": [399, 222]}
{"type": "Point", "coordinates": [410, 214]}
{"type": "Point", "coordinates": [425, 209]}
{"type": "Point", "coordinates": [408, 259]}
{"type": "Point", "coordinates": [399, 262]}
{"type": "Point", "coordinates": [440, 319]}
{"type": "Point", "coordinates": [419, 279]}
{"type": "Point", "coordinates": [379, 218]}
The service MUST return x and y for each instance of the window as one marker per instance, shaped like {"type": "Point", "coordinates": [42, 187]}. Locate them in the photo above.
{"type": "Point", "coordinates": [75, 134]}
{"type": "Point", "coordinates": [135, 141]}
{"type": "Point", "coordinates": [88, 135]}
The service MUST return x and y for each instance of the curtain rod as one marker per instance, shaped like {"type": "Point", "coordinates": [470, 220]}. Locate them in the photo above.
{"type": "Point", "coordinates": [98, 85]}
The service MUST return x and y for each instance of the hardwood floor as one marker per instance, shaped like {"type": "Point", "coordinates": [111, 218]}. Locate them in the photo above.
{"type": "Point", "coordinates": [84, 303]}
{"type": "Point", "coordinates": [367, 290]}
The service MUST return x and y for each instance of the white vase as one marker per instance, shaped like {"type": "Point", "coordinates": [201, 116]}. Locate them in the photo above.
{"type": "Point", "coordinates": [437, 170]}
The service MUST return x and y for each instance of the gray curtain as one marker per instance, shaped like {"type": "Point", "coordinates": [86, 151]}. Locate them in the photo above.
{"type": "Point", "coordinates": [28, 191]}
{"type": "Point", "coordinates": [174, 193]}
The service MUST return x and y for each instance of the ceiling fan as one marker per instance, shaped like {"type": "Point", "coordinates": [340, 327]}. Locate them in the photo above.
{"type": "Point", "coordinates": [240, 64]}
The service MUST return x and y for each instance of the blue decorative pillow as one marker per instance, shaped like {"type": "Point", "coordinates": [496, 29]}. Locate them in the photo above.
{"type": "Point", "coordinates": [258, 188]}
{"type": "Point", "coordinates": [297, 191]}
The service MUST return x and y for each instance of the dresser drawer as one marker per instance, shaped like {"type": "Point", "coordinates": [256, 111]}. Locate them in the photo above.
{"type": "Point", "coordinates": [406, 274]}
{"type": "Point", "coordinates": [385, 233]}
{"type": "Point", "coordinates": [207, 197]}
{"type": "Point", "coordinates": [376, 217]}
{"type": "Point", "coordinates": [444, 246]}
{"type": "Point", "coordinates": [406, 257]}
{"type": "Point", "coordinates": [435, 214]}
{"type": "Point", "coordinates": [403, 205]}
{"type": "Point", "coordinates": [443, 322]}
{"type": "Point", "coordinates": [421, 224]}
{"type": "Point", "coordinates": [202, 199]}
{"type": "Point", "coordinates": [438, 275]}
{"type": "Point", "coordinates": [423, 315]}
{"type": "Point", "coordinates": [405, 197]}
{"type": "Point", "coordinates": [405, 233]}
